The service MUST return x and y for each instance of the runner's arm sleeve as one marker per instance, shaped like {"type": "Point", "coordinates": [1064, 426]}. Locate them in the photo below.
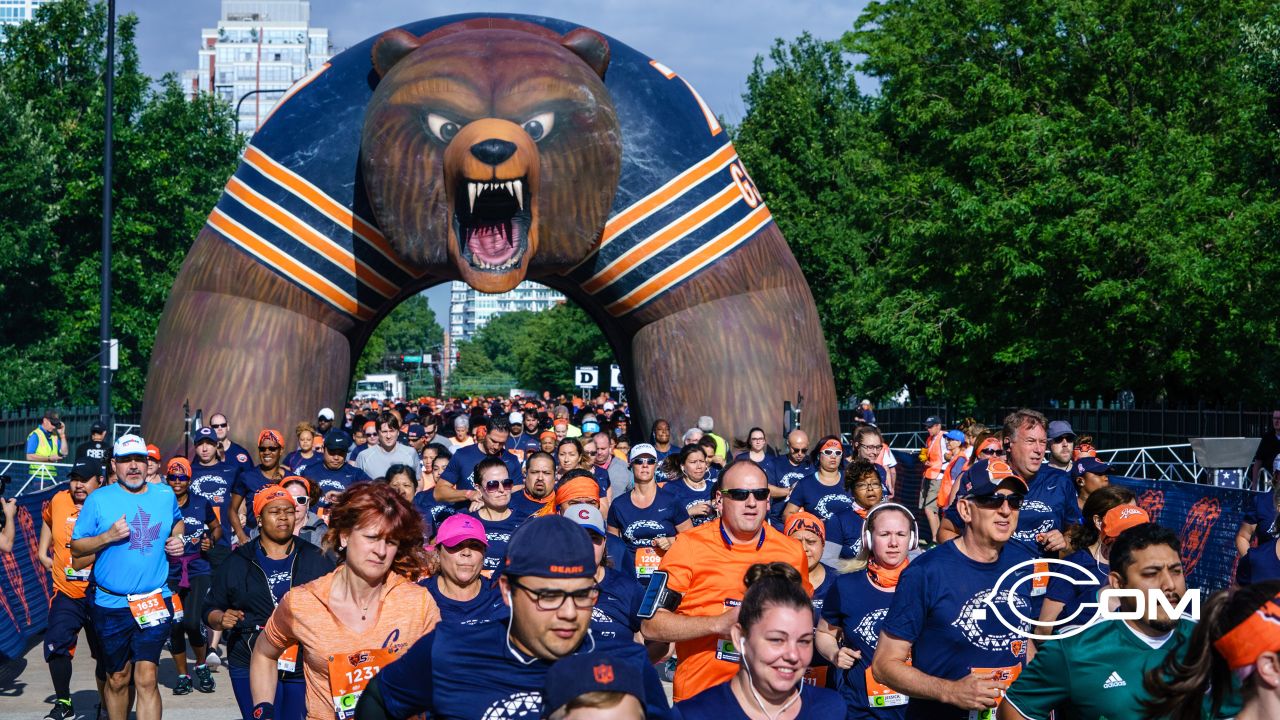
{"type": "Point", "coordinates": [1043, 685]}
{"type": "Point", "coordinates": [405, 686]}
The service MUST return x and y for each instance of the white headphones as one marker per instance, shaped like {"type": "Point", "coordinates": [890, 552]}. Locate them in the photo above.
{"type": "Point", "coordinates": [866, 525]}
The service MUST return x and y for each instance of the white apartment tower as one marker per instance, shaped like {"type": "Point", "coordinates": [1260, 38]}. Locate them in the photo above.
{"type": "Point", "coordinates": [259, 49]}
{"type": "Point", "coordinates": [470, 309]}
{"type": "Point", "coordinates": [13, 12]}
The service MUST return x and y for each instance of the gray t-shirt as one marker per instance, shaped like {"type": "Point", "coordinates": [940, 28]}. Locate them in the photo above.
{"type": "Point", "coordinates": [374, 461]}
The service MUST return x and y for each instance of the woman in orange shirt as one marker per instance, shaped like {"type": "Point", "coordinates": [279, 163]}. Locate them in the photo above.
{"type": "Point", "coordinates": [352, 622]}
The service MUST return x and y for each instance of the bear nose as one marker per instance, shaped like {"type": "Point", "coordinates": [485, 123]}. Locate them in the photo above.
{"type": "Point", "coordinates": [493, 151]}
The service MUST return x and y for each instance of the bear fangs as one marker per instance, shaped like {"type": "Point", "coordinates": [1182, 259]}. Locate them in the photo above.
{"type": "Point", "coordinates": [512, 187]}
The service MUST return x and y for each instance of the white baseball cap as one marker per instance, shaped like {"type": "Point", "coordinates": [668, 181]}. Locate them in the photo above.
{"type": "Point", "coordinates": [588, 516]}
{"type": "Point", "coordinates": [326, 413]}
{"type": "Point", "coordinates": [129, 444]}
{"type": "Point", "coordinates": [641, 450]}
{"type": "Point", "coordinates": [515, 417]}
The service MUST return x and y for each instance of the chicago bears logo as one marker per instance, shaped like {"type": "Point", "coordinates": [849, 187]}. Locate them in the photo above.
{"type": "Point", "coordinates": [633, 532]}
{"type": "Point", "coordinates": [868, 628]}
{"type": "Point", "coordinates": [1196, 530]}
{"type": "Point", "coordinates": [983, 631]}
{"type": "Point", "coordinates": [514, 707]}
{"type": "Point", "coordinates": [1153, 502]}
{"type": "Point", "coordinates": [603, 673]}
{"type": "Point", "coordinates": [358, 658]}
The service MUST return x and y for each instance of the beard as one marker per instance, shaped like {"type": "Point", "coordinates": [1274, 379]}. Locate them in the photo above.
{"type": "Point", "coordinates": [124, 480]}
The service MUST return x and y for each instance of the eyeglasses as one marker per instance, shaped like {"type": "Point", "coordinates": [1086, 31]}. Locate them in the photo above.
{"type": "Point", "coordinates": [493, 485]}
{"type": "Point", "coordinates": [741, 494]}
{"type": "Point", "coordinates": [644, 461]}
{"type": "Point", "coordinates": [757, 437]}
{"type": "Point", "coordinates": [872, 448]}
{"type": "Point", "coordinates": [994, 501]}
{"type": "Point", "coordinates": [268, 448]}
{"type": "Point", "coordinates": [867, 485]}
{"type": "Point", "coordinates": [218, 426]}
{"type": "Point", "coordinates": [554, 599]}
{"type": "Point", "coordinates": [833, 452]}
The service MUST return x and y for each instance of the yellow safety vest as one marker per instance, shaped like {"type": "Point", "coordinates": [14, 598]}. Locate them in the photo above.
{"type": "Point", "coordinates": [46, 447]}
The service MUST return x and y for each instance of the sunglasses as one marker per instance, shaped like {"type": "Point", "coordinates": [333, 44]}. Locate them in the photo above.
{"type": "Point", "coordinates": [300, 499]}
{"type": "Point", "coordinates": [833, 452]}
{"type": "Point", "coordinates": [177, 478]}
{"type": "Point", "coordinates": [994, 452]}
{"type": "Point", "coordinates": [268, 448]}
{"type": "Point", "coordinates": [493, 485]}
{"type": "Point", "coordinates": [218, 426]}
{"type": "Point", "coordinates": [741, 494]}
{"type": "Point", "coordinates": [799, 451]}
{"type": "Point", "coordinates": [644, 461]}
{"type": "Point", "coordinates": [995, 500]}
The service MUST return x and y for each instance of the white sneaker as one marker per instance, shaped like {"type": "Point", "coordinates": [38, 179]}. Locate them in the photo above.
{"type": "Point", "coordinates": [212, 659]}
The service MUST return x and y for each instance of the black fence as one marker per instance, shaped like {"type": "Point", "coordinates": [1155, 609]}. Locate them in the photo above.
{"type": "Point", "coordinates": [1140, 427]}
{"type": "Point", "coordinates": [16, 425]}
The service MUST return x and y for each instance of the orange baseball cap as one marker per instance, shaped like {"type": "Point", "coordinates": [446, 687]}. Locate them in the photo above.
{"type": "Point", "coordinates": [269, 494]}
{"type": "Point", "coordinates": [1121, 518]}
{"type": "Point", "coordinates": [153, 452]}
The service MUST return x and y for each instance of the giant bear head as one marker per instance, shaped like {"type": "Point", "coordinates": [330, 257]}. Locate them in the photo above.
{"type": "Point", "coordinates": [492, 146]}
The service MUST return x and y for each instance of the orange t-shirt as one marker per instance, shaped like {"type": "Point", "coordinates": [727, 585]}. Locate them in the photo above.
{"type": "Point", "coordinates": [303, 617]}
{"type": "Point", "coordinates": [708, 572]}
{"type": "Point", "coordinates": [60, 515]}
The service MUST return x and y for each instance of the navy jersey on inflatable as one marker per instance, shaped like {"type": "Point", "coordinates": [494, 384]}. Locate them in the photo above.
{"type": "Point", "coordinates": [213, 483]}
{"type": "Point", "coordinates": [472, 672]}
{"type": "Point", "coordinates": [940, 608]}
{"type": "Point", "coordinates": [487, 605]}
{"type": "Point", "coordinates": [859, 608]}
{"type": "Point", "coordinates": [821, 500]}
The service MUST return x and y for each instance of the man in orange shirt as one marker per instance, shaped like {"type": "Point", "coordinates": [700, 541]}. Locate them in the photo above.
{"type": "Point", "coordinates": [935, 446]}
{"type": "Point", "coordinates": [69, 609]}
{"type": "Point", "coordinates": [705, 568]}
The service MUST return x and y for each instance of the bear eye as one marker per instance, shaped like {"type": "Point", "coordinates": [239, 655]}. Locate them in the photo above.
{"type": "Point", "coordinates": [539, 126]}
{"type": "Point", "coordinates": [442, 127]}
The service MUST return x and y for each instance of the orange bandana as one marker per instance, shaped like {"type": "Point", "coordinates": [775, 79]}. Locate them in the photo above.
{"type": "Point", "coordinates": [1259, 633]}
{"type": "Point", "coordinates": [577, 489]}
{"type": "Point", "coordinates": [883, 576]}
{"type": "Point", "coordinates": [805, 521]}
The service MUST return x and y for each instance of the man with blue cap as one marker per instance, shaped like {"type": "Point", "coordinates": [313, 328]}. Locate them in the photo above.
{"type": "Point", "coordinates": [497, 670]}
{"type": "Point", "coordinates": [580, 684]}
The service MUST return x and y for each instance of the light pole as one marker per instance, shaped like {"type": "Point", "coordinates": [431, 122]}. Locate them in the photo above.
{"type": "Point", "coordinates": [104, 330]}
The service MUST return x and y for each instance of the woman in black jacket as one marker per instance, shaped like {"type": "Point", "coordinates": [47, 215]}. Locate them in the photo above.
{"type": "Point", "coordinates": [248, 586]}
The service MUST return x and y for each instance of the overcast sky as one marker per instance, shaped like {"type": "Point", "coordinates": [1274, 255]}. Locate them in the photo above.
{"type": "Point", "coordinates": [711, 43]}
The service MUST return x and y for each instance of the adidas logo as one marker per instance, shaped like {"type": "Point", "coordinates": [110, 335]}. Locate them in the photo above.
{"type": "Point", "coordinates": [1114, 680]}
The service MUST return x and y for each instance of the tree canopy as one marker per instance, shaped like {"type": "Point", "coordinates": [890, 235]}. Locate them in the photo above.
{"type": "Point", "coordinates": [1044, 199]}
{"type": "Point", "coordinates": [171, 159]}
{"type": "Point", "coordinates": [410, 329]}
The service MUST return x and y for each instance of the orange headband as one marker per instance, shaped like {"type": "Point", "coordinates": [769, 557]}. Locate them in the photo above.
{"type": "Point", "coordinates": [991, 442]}
{"type": "Point", "coordinates": [805, 521]}
{"type": "Point", "coordinates": [1259, 633]}
{"type": "Point", "coordinates": [578, 487]}
{"type": "Point", "coordinates": [832, 443]}
{"type": "Point", "coordinates": [270, 434]}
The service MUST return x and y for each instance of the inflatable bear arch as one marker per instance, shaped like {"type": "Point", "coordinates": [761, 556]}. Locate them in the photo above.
{"type": "Point", "coordinates": [490, 149]}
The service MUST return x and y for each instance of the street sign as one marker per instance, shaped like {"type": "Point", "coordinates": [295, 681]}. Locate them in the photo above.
{"type": "Point", "coordinates": [411, 358]}
{"type": "Point", "coordinates": [586, 376]}
{"type": "Point", "coordinates": [615, 377]}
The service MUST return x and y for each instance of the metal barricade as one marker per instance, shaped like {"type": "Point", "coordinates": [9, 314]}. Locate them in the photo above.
{"type": "Point", "coordinates": [33, 476]}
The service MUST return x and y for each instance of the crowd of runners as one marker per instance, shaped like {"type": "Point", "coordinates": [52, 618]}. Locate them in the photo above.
{"type": "Point", "coordinates": [494, 558]}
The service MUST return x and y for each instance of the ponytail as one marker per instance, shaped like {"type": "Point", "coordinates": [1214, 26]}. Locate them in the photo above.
{"type": "Point", "coordinates": [769, 585]}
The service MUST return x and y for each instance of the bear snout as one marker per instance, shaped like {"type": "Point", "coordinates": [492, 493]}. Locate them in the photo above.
{"type": "Point", "coordinates": [493, 151]}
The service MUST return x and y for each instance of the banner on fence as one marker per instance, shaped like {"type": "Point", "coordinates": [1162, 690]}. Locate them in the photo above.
{"type": "Point", "coordinates": [27, 587]}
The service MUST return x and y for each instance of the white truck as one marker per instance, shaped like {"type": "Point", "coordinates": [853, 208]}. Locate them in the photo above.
{"type": "Point", "coordinates": [380, 387]}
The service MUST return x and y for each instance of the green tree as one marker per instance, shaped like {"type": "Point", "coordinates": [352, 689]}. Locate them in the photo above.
{"type": "Point", "coordinates": [409, 329]}
{"type": "Point", "coordinates": [171, 158]}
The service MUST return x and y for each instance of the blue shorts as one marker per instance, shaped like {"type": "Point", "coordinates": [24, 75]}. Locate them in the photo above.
{"type": "Point", "coordinates": [123, 642]}
{"type": "Point", "coordinates": [67, 615]}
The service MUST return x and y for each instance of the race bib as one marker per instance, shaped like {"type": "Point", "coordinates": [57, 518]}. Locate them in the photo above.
{"type": "Point", "coordinates": [647, 560]}
{"type": "Point", "coordinates": [726, 651]}
{"type": "Point", "coordinates": [288, 660]}
{"type": "Point", "coordinates": [815, 676]}
{"type": "Point", "coordinates": [880, 695]}
{"type": "Point", "coordinates": [148, 609]}
{"type": "Point", "coordinates": [1040, 582]}
{"type": "Point", "coordinates": [1005, 676]}
{"type": "Point", "coordinates": [77, 575]}
{"type": "Point", "coordinates": [178, 613]}
{"type": "Point", "coordinates": [350, 673]}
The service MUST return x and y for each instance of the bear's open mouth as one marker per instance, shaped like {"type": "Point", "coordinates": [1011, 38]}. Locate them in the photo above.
{"type": "Point", "coordinates": [491, 221]}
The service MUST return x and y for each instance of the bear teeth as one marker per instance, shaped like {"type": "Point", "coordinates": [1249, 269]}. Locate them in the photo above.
{"type": "Point", "coordinates": [514, 188]}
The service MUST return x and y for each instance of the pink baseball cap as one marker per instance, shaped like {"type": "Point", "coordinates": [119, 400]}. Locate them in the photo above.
{"type": "Point", "coordinates": [457, 529]}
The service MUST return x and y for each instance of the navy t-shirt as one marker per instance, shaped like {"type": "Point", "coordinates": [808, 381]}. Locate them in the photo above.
{"type": "Point", "coordinates": [1259, 565]}
{"type": "Point", "coordinates": [195, 514]}
{"type": "Point", "coordinates": [238, 455]}
{"type": "Point", "coordinates": [1261, 511]}
{"type": "Point", "coordinates": [615, 616]}
{"type": "Point", "coordinates": [298, 464]}
{"type": "Point", "coordinates": [821, 500]}
{"type": "Point", "coordinates": [1096, 576]}
{"type": "Point", "coordinates": [463, 462]}
{"type": "Point", "coordinates": [1050, 504]}
{"type": "Point", "coordinates": [475, 673]}
{"type": "Point", "coordinates": [524, 506]}
{"type": "Point", "coordinates": [719, 703]}
{"type": "Point", "coordinates": [499, 534]}
{"type": "Point", "coordinates": [279, 573]}
{"type": "Point", "coordinates": [328, 480]}
{"type": "Point", "coordinates": [940, 608]}
{"type": "Point", "coordinates": [785, 475]}
{"type": "Point", "coordinates": [859, 608]}
{"type": "Point", "coordinates": [523, 445]}
{"type": "Point", "coordinates": [485, 606]}
{"type": "Point", "coordinates": [844, 528]}
{"type": "Point", "coordinates": [639, 526]}
{"type": "Point", "coordinates": [247, 484]}
{"type": "Point", "coordinates": [602, 479]}
{"type": "Point", "coordinates": [213, 483]}
{"type": "Point", "coordinates": [685, 497]}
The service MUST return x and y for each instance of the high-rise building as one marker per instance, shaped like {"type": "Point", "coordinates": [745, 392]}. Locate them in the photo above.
{"type": "Point", "coordinates": [13, 12]}
{"type": "Point", "coordinates": [259, 49]}
{"type": "Point", "coordinates": [470, 310]}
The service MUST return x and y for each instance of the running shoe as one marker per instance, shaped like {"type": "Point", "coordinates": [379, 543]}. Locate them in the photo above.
{"type": "Point", "coordinates": [61, 710]}
{"type": "Point", "coordinates": [184, 685]}
{"type": "Point", "coordinates": [212, 659]}
{"type": "Point", "coordinates": [204, 679]}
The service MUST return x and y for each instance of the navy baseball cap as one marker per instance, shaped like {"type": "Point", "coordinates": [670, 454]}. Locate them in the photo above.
{"type": "Point", "coordinates": [987, 476]}
{"type": "Point", "coordinates": [551, 547]}
{"type": "Point", "coordinates": [337, 440]}
{"type": "Point", "coordinates": [1090, 464]}
{"type": "Point", "coordinates": [1060, 428]}
{"type": "Point", "coordinates": [577, 675]}
{"type": "Point", "coordinates": [932, 420]}
{"type": "Point", "coordinates": [204, 434]}
{"type": "Point", "coordinates": [416, 431]}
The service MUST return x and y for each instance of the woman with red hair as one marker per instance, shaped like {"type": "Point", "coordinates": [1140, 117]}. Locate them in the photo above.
{"type": "Point", "coordinates": [350, 623]}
